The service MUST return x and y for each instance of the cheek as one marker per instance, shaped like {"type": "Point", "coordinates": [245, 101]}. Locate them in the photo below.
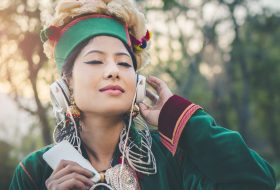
{"type": "Point", "coordinates": [131, 86]}
{"type": "Point", "coordinates": [83, 85]}
{"type": "Point", "coordinates": [79, 90]}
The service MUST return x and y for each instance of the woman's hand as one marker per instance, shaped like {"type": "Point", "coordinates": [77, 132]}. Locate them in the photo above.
{"type": "Point", "coordinates": [151, 113]}
{"type": "Point", "coordinates": [69, 175]}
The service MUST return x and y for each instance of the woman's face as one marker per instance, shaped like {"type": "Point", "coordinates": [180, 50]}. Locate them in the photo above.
{"type": "Point", "coordinates": [103, 77]}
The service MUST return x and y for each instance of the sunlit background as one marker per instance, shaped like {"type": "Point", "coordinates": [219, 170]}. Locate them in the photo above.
{"type": "Point", "coordinates": [221, 54]}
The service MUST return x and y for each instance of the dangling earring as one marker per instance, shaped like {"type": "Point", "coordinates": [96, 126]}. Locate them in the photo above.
{"type": "Point", "coordinates": [67, 114]}
{"type": "Point", "coordinates": [72, 122]}
{"type": "Point", "coordinates": [73, 110]}
{"type": "Point", "coordinates": [135, 111]}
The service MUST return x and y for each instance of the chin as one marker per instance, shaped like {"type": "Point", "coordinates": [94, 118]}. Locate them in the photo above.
{"type": "Point", "coordinates": [122, 104]}
{"type": "Point", "coordinates": [108, 109]}
{"type": "Point", "coordinates": [116, 110]}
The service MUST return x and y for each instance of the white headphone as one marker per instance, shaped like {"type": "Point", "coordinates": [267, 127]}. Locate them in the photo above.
{"type": "Point", "coordinates": [140, 88]}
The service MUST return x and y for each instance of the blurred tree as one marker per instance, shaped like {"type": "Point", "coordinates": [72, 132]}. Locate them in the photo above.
{"type": "Point", "coordinates": [260, 52]}
{"type": "Point", "coordinates": [207, 64]}
{"type": "Point", "coordinates": [22, 58]}
{"type": "Point", "coordinates": [7, 164]}
{"type": "Point", "coordinates": [192, 53]}
{"type": "Point", "coordinates": [239, 99]}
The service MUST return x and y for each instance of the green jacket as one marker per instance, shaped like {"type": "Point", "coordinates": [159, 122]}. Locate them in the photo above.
{"type": "Point", "coordinates": [192, 153]}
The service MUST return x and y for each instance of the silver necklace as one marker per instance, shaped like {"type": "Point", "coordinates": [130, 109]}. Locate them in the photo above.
{"type": "Point", "coordinates": [119, 177]}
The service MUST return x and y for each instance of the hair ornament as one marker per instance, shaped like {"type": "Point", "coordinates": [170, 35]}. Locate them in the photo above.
{"type": "Point", "coordinates": [141, 44]}
{"type": "Point", "coordinates": [51, 33]}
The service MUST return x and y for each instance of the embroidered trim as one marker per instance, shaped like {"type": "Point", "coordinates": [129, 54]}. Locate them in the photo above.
{"type": "Point", "coordinates": [171, 144]}
{"type": "Point", "coordinates": [27, 173]}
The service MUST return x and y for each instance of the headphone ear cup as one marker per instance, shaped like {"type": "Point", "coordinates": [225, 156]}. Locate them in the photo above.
{"type": "Point", "coordinates": [59, 93]}
{"type": "Point", "coordinates": [140, 88]}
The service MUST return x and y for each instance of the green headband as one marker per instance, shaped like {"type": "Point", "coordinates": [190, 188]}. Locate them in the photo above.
{"type": "Point", "coordinates": [80, 29]}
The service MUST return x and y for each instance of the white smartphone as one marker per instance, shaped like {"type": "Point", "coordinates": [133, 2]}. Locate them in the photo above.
{"type": "Point", "coordinates": [65, 151]}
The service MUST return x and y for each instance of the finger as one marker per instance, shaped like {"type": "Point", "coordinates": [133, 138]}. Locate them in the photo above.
{"type": "Point", "coordinates": [60, 170]}
{"type": "Point", "coordinates": [149, 114]}
{"type": "Point", "coordinates": [71, 184]}
{"type": "Point", "coordinates": [72, 169]}
{"type": "Point", "coordinates": [62, 164]}
{"type": "Point", "coordinates": [86, 181]}
{"type": "Point", "coordinates": [51, 184]}
{"type": "Point", "coordinates": [143, 108]}
{"type": "Point", "coordinates": [156, 84]}
{"type": "Point", "coordinates": [153, 97]}
{"type": "Point", "coordinates": [154, 81]}
{"type": "Point", "coordinates": [161, 87]}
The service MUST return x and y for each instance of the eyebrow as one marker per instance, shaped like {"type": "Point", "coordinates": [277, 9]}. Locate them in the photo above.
{"type": "Point", "coordinates": [101, 52]}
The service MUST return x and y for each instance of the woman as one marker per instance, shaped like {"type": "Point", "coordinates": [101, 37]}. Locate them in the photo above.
{"type": "Point", "coordinates": [98, 46]}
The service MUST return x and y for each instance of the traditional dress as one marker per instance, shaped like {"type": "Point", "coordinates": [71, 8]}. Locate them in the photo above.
{"type": "Point", "coordinates": [192, 153]}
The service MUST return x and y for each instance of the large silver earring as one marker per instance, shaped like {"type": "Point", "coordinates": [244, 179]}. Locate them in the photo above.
{"type": "Point", "coordinates": [68, 127]}
{"type": "Point", "coordinates": [137, 148]}
{"type": "Point", "coordinates": [136, 145]}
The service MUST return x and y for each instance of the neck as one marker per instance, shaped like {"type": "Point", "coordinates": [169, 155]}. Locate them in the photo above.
{"type": "Point", "coordinates": [101, 135]}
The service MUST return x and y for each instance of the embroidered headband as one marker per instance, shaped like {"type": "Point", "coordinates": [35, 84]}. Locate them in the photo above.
{"type": "Point", "coordinates": [66, 38]}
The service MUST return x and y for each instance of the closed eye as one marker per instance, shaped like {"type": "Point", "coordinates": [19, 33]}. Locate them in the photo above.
{"type": "Point", "coordinates": [93, 62]}
{"type": "Point", "coordinates": [124, 64]}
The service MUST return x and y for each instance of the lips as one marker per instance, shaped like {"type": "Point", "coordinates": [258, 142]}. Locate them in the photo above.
{"type": "Point", "coordinates": [112, 87]}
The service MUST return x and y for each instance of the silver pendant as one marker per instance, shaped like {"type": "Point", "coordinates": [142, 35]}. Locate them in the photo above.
{"type": "Point", "coordinates": [121, 179]}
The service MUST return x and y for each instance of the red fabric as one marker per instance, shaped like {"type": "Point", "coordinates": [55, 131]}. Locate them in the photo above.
{"type": "Point", "coordinates": [170, 113]}
{"type": "Point", "coordinates": [172, 119]}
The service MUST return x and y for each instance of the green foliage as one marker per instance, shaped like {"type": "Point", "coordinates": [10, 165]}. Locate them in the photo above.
{"type": "Point", "coordinates": [276, 167]}
{"type": "Point", "coordinates": [261, 55]}
{"type": "Point", "coordinates": [7, 164]}
{"type": "Point", "coordinates": [12, 154]}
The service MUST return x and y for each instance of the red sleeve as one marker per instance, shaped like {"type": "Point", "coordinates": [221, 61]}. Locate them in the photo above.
{"type": "Point", "coordinates": [172, 119]}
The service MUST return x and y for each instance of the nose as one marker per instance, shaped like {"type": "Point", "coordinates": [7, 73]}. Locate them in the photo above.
{"type": "Point", "coordinates": [111, 71]}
